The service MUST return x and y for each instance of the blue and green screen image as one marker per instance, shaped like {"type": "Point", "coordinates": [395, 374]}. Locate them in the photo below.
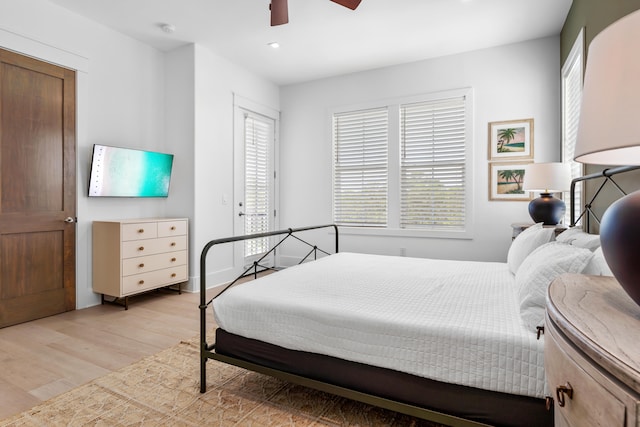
{"type": "Point", "coordinates": [124, 172]}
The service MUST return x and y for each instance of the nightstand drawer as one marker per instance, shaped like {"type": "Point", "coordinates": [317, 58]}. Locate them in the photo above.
{"type": "Point", "coordinates": [148, 263]}
{"type": "Point", "coordinates": [591, 403]}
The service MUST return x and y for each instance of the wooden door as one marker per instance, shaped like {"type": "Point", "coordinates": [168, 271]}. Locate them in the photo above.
{"type": "Point", "coordinates": [37, 189]}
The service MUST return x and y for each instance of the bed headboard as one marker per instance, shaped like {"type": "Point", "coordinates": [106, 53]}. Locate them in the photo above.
{"type": "Point", "coordinates": [598, 197]}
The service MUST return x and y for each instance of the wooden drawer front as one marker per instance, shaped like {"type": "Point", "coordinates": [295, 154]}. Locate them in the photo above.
{"type": "Point", "coordinates": [153, 279]}
{"type": "Point", "coordinates": [591, 404]}
{"type": "Point", "coordinates": [172, 228]}
{"type": "Point", "coordinates": [144, 230]}
{"type": "Point", "coordinates": [148, 263]}
{"type": "Point", "coordinates": [153, 246]}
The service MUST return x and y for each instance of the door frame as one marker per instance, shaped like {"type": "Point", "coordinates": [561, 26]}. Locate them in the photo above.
{"type": "Point", "coordinates": [49, 219]}
{"type": "Point", "coordinates": [47, 52]}
{"type": "Point", "coordinates": [240, 105]}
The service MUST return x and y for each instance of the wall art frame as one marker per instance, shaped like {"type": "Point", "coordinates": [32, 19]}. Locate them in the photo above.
{"type": "Point", "coordinates": [511, 140]}
{"type": "Point", "coordinates": [505, 181]}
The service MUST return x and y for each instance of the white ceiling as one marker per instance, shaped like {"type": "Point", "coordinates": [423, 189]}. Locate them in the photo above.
{"type": "Point", "coordinates": [322, 38]}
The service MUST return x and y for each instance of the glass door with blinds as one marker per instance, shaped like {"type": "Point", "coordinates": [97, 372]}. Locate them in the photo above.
{"type": "Point", "coordinates": [255, 208]}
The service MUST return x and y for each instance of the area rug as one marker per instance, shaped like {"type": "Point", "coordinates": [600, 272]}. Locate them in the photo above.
{"type": "Point", "coordinates": [164, 390]}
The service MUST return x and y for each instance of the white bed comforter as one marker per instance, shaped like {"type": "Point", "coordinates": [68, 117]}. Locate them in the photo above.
{"type": "Point", "coordinates": [451, 321]}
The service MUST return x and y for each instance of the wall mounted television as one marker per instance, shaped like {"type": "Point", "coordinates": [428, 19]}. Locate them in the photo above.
{"type": "Point", "coordinates": [126, 172]}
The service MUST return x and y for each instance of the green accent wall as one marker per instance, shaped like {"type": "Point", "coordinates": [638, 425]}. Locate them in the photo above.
{"type": "Point", "coordinates": [594, 16]}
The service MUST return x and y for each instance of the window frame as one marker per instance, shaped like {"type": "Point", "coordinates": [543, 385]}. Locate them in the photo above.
{"type": "Point", "coordinates": [259, 165]}
{"type": "Point", "coordinates": [361, 161]}
{"type": "Point", "coordinates": [394, 166]}
{"type": "Point", "coordinates": [576, 58]}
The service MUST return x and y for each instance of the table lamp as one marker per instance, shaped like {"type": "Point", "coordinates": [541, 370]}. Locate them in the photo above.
{"type": "Point", "coordinates": [547, 178]}
{"type": "Point", "coordinates": [609, 134]}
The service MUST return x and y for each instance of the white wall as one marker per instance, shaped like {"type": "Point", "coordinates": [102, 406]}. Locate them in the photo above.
{"type": "Point", "coordinates": [511, 82]}
{"type": "Point", "coordinates": [217, 81]}
{"type": "Point", "coordinates": [120, 102]}
{"type": "Point", "coordinates": [130, 94]}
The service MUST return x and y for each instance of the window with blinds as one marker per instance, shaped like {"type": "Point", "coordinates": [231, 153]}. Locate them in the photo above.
{"type": "Point", "coordinates": [403, 166]}
{"type": "Point", "coordinates": [258, 134]}
{"type": "Point", "coordinates": [572, 73]}
{"type": "Point", "coordinates": [433, 163]}
{"type": "Point", "coordinates": [360, 140]}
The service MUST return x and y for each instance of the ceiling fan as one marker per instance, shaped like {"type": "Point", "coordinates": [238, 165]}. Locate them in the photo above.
{"type": "Point", "coordinates": [280, 10]}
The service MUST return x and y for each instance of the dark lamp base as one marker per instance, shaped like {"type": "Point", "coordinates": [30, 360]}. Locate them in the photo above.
{"type": "Point", "coordinates": [620, 240]}
{"type": "Point", "coordinates": [547, 209]}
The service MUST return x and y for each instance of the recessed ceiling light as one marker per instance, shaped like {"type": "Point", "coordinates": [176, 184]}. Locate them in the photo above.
{"type": "Point", "coordinates": [274, 45]}
{"type": "Point", "coordinates": [168, 28]}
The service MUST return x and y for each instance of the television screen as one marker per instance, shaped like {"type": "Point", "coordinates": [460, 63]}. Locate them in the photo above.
{"type": "Point", "coordinates": [125, 172]}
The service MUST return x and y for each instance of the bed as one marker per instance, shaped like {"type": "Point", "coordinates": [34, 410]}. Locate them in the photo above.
{"type": "Point", "coordinates": [455, 342]}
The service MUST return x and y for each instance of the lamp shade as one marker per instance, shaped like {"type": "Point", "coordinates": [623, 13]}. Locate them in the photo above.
{"type": "Point", "coordinates": [609, 127]}
{"type": "Point", "coordinates": [547, 177]}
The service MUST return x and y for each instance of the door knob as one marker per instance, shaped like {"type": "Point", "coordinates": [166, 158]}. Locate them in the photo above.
{"type": "Point", "coordinates": [69, 220]}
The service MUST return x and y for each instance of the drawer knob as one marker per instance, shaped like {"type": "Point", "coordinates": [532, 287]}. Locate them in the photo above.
{"type": "Point", "coordinates": [173, 243]}
{"type": "Point", "coordinates": [141, 248]}
{"type": "Point", "coordinates": [141, 266]}
{"type": "Point", "coordinates": [141, 230]}
{"type": "Point", "coordinates": [141, 282]}
{"type": "Point", "coordinates": [173, 227]}
{"type": "Point", "coordinates": [173, 275]}
{"type": "Point", "coordinates": [561, 390]}
{"type": "Point", "coordinates": [173, 260]}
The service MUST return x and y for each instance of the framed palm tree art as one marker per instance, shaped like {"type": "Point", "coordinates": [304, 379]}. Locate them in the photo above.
{"type": "Point", "coordinates": [511, 140]}
{"type": "Point", "coordinates": [505, 181]}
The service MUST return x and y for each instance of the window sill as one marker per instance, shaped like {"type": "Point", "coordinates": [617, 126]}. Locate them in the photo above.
{"type": "Point", "coordinates": [401, 232]}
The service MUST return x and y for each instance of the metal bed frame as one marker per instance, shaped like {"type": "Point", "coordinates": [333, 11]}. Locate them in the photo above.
{"type": "Point", "coordinates": [207, 351]}
{"type": "Point", "coordinates": [587, 212]}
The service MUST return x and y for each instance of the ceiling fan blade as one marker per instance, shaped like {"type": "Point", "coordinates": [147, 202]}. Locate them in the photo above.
{"type": "Point", "coordinates": [279, 12]}
{"type": "Point", "coordinates": [351, 4]}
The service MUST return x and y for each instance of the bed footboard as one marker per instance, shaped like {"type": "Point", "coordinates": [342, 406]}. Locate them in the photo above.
{"type": "Point", "coordinates": [206, 349]}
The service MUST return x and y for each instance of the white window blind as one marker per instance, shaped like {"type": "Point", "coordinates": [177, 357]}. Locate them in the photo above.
{"type": "Point", "coordinates": [402, 166]}
{"type": "Point", "coordinates": [433, 163]}
{"type": "Point", "coordinates": [572, 72]}
{"type": "Point", "coordinates": [258, 134]}
{"type": "Point", "coordinates": [360, 167]}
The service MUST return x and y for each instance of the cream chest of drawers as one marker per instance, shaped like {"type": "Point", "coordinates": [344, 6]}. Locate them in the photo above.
{"type": "Point", "coordinates": [592, 352]}
{"type": "Point", "coordinates": [137, 255]}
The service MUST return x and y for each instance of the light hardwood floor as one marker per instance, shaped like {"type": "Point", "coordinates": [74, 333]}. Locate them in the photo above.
{"type": "Point", "coordinates": [46, 357]}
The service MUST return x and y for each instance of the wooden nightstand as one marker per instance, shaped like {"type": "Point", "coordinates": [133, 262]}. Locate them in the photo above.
{"type": "Point", "coordinates": [519, 227]}
{"type": "Point", "coordinates": [592, 352]}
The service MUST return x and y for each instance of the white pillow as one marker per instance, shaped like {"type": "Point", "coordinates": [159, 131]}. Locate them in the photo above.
{"type": "Point", "coordinates": [526, 242]}
{"type": "Point", "coordinates": [598, 266]}
{"type": "Point", "coordinates": [578, 237]}
{"type": "Point", "coordinates": [539, 269]}
{"type": "Point", "coordinates": [568, 235]}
